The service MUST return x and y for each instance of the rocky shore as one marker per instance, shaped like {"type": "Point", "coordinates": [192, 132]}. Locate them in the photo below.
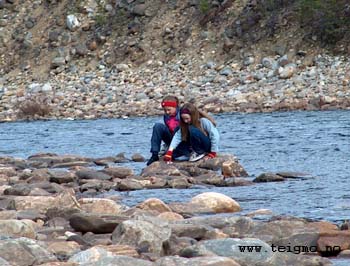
{"type": "Point", "coordinates": [50, 216]}
{"type": "Point", "coordinates": [287, 82]}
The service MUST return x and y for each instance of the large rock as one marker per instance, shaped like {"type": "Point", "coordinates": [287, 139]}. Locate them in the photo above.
{"type": "Point", "coordinates": [258, 254]}
{"type": "Point", "coordinates": [24, 252]}
{"type": "Point", "coordinates": [98, 224]}
{"type": "Point", "coordinates": [118, 172]}
{"type": "Point", "coordinates": [17, 228]}
{"type": "Point", "coordinates": [43, 203]}
{"type": "Point", "coordinates": [154, 204]}
{"type": "Point", "coordinates": [61, 176]}
{"type": "Point", "coordinates": [147, 235]}
{"type": "Point", "coordinates": [87, 173]}
{"type": "Point", "coordinates": [99, 256]}
{"type": "Point", "coordinates": [99, 206]}
{"type": "Point", "coordinates": [217, 202]}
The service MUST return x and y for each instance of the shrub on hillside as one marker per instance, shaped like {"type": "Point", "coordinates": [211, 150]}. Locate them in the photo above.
{"type": "Point", "coordinates": [329, 20]}
{"type": "Point", "coordinates": [34, 106]}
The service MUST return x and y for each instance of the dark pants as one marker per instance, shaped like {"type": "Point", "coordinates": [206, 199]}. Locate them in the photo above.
{"type": "Point", "coordinates": [162, 133]}
{"type": "Point", "coordinates": [199, 142]}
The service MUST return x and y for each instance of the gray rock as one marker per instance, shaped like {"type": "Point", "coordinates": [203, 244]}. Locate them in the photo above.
{"type": "Point", "coordinates": [24, 251]}
{"type": "Point", "coordinates": [147, 235]}
{"type": "Point", "coordinates": [98, 224]}
{"type": "Point", "coordinates": [92, 174]}
{"type": "Point", "coordinates": [61, 176]}
{"type": "Point", "coordinates": [18, 190]}
{"type": "Point", "coordinates": [72, 22]}
{"type": "Point", "coordinates": [268, 177]}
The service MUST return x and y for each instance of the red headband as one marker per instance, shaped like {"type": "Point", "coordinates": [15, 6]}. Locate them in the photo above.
{"type": "Point", "coordinates": [185, 111]}
{"type": "Point", "coordinates": [169, 104]}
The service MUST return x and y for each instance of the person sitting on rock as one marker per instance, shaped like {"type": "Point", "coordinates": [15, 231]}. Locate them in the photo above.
{"type": "Point", "coordinates": [197, 137]}
{"type": "Point", "coordinates": [165, 132]}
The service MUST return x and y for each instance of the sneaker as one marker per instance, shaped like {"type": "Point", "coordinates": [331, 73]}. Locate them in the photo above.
{"type": "Point", "coordinates": [163, 149]}
{"type": "Point", "coordinates": [153, 159]}
{"type": "Point", "coordinates": [195, 156]}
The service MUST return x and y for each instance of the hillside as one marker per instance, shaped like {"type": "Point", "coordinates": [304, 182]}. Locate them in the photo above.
{"type": "Point", "coordinates": [49, 46]}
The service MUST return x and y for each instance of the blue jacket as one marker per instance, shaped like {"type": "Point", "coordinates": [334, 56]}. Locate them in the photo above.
{"type": "Point", "coordinates": [208, 126]}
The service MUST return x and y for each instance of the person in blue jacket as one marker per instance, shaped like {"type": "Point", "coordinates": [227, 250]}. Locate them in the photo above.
{"type": "Point", "coordinates": [197, 136]}
{"type": "Point", "coordinates": [165, 132]}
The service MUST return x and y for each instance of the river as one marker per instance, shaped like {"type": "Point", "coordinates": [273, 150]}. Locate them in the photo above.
{"type": "Point", "coordinates": [316, 143]}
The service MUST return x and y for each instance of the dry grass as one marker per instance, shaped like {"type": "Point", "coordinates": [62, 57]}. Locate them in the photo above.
{"type": "Point", "coordinates": [34, 106]}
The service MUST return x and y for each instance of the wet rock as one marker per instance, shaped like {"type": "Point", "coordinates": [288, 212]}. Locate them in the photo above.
{"type": "Point", "coordinates": [268, 177]}
{"type": "Point", "coordinates": [129, 184]}
{"type": "Point", "coordinates": [217, 202]}
{"type": "Point", "coordinates": [178, 182]}
{"type": "Point", "coordinates": [92, 174]}
{"type": "Point", "coordinates": [138, 158]}
{"type": "Point", "coordinates": [61, 177]}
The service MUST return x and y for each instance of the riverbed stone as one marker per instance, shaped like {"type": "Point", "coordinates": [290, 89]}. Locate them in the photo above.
{"type": "Point", "coordinates": [17, 228]}
{"type": "Point", "coordinates": [87, 173]}
{"type": "Point", "coordinates": [217, 202]}
{"type": "Point", "coordinates": [24, 251]}
{"type": "Point", "coordinates": [118, 172]}
{"type": "Point", "coordinates": [268, 177]}
{"type": "Point", "coordinates": [154, 204]}
{"type": "Point", "coordinates": [98, 224]}
{"type": "Point", "coordinates": [99, 206]}
{"type": "Point", "coordinates": [148, 235]}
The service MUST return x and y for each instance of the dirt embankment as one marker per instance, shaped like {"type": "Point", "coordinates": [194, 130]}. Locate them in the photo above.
{"type": "Point", "coordinates": [202, 48]}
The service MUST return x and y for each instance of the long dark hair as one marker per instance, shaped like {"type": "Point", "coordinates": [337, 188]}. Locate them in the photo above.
{"type": "Point", "coordinates": [195, 114]}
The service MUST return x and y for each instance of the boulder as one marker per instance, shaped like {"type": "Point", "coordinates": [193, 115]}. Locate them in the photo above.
{"type": "Point", "coordinates": [154, 205]}
{"type": "Point", "coordinates": [99, 256]}
{"type": "Point", "coordinates": [24, 251]}
{"type": "Point", "coordinates": [147, 235]}
{"type": "Point", "coordinates": [98, 224]}
{"type": "Point", "coordinates": [118, 172]}
{"type": "Point", "coordinates": [17, 228]}
{"type": "Point", "coordinates": [99, 206]}
{"type": "Point", "coordinates": [217, 202]}
{"type": "Point", "coordinates": [87, 173]}
{"type": "Point", "coordinates": [268, 177]}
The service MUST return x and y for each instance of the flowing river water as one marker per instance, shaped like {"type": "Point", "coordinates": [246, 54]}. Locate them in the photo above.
{"type": "Point", "coordinates": [316, 143]}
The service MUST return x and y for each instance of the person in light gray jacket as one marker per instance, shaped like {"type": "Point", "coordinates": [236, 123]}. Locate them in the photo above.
{"type": "Point", "coordinates": [196, 138]}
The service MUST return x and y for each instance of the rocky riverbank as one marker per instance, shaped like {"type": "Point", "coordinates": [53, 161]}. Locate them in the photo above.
{"type": "Point", "coordinates": [254, 85]}
{"type": "Point", "coordinates": [49, 216]}
{"type": "Point", "coordinates": [110, 59]}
